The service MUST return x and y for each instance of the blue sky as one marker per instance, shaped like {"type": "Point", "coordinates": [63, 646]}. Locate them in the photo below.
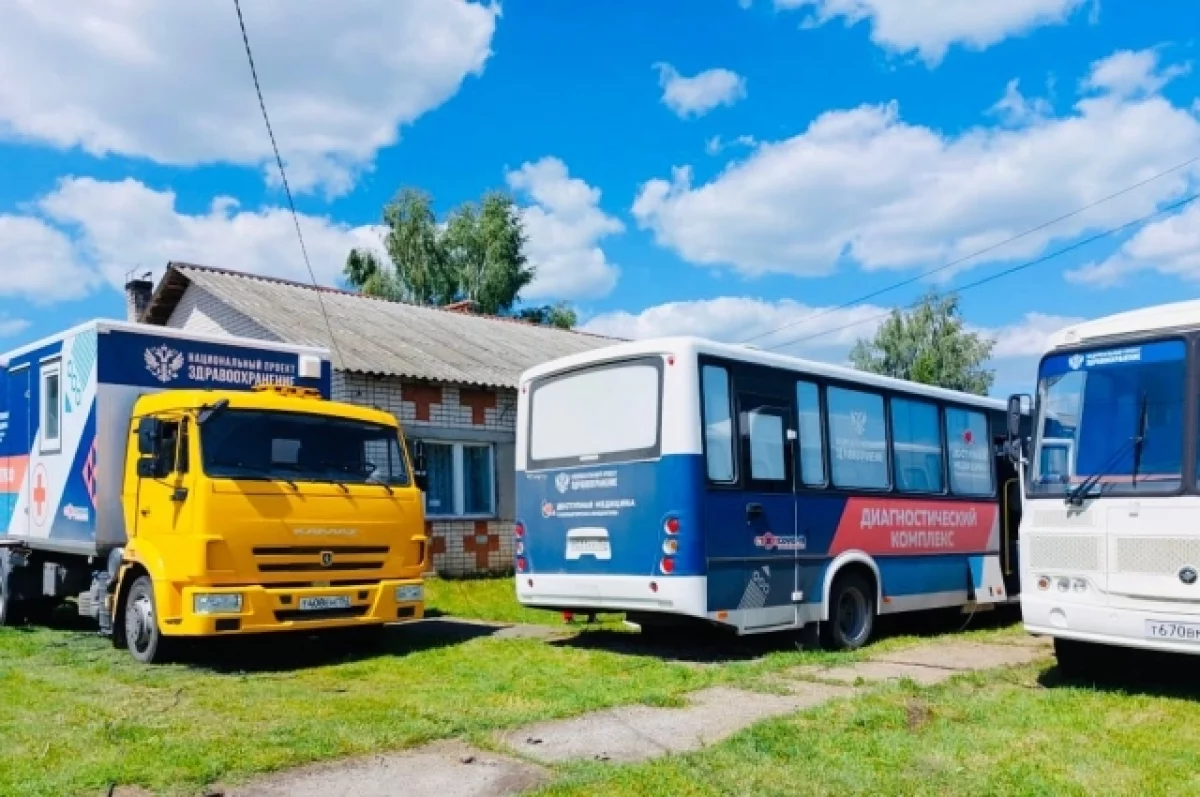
{"type": "Point", "coordinates": [719, 167]}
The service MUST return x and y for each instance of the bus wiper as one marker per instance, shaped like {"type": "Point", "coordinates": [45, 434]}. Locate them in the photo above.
{"type": "Point", "coordinates": [1075, 497]}
{"type": "Point", "coordinates": [1140, 440]}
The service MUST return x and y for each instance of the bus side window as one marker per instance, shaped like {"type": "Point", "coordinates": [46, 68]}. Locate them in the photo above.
{"type": "Point", "coordinates": [718, 424]}
{"type": "Point", "coordinates": [812, 434]}
{"type": "Point", "coordinates": [971, 471]}
{"type": "Point", "coordinates": [916, 446]}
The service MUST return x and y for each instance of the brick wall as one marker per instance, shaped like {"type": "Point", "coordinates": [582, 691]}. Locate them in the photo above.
{"type": "Point", "coordinates": [453, 413]}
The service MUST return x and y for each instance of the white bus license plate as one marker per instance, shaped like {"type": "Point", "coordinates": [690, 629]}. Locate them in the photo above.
{"type": "Point", "coordinates": [588, 546]}
{"type": "Point", "coordinates": [1175, 632]}
{"type": "Point", "coordinates": [324, 604]}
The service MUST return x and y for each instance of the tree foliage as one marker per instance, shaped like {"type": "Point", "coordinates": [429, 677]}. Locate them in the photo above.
{"type": "Point", "coordinates": [929, 343]}
{"type": "Point", "coordinates": [477, 255]}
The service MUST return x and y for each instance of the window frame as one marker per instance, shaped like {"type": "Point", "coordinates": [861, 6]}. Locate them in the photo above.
{"type": "Point", "coordinates": [786, 481]}
{"type": "Point", "coordinates": [458, 482]}
{"type": "Point", "coordinates": [823, 448]}
{"type": "Point", "coordinates": [939, 412]}
{"type": "Point", "coordinates": [51, 366]}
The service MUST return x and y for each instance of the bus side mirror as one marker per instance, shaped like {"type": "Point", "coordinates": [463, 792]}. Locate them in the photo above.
{"type": "Point", "coordinates": [1018, 407]}
{"type": "Point", "coordinates": [420, 476]}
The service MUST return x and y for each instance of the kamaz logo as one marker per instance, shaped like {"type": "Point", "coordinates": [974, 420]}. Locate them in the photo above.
{"type": "Point", "coordinates": [325, 532]}
{"type": "Point", "coordinates": [326, 558]}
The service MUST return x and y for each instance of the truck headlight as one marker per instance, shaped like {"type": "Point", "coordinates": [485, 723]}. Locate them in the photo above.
{"type": "Point", "coordinates": [226, 603]}
{"type": "Point", "coordinates": [409, 593]}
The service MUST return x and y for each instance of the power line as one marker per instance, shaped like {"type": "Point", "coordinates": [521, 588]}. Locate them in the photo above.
{"type": "Point", "coordinates": [1008, 271]}
{"type": "Point", "coordinates": [283, 177]}
{"type": "Point", "coordinates": [973, 255]}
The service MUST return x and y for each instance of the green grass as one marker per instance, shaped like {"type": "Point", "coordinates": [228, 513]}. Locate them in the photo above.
{"type": "Point", "coordinates": [998, 733]}
{"type": "Point", "coordinates": [491, 599]}
{"type": "Point", "coordinates": [77, 715]}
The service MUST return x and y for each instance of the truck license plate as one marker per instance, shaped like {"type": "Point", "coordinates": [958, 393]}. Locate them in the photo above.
{"type": "Point", "coordinates": [1175, 632]}
{"type": "Point", "coordinates": [325, 603]}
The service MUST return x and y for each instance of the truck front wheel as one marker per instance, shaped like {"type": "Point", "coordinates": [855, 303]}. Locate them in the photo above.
{"type": "Point", "coordinates": [142, 635]}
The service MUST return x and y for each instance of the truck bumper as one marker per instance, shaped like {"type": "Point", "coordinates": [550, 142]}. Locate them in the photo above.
{"type": "Point", "coordinates": [267, 608]}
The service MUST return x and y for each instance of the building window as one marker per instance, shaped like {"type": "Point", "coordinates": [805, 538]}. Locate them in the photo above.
{"type": "Point", "coordinates": [857, 439]}
{"type": "Point", "coordinates": [916, 447]}
{"type": "Point", "coordinates": [51, 407]}
{"type": "Point", "coordinates": [718, 424]}
{"type": "Point", "coordinates": [462, 480]}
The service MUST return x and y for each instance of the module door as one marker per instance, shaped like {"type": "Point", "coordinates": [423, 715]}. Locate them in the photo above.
{"type": "Point", "coordinates": [766, 435]}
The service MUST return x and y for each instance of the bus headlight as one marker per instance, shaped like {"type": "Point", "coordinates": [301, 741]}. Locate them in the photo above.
{"type": "Point", "coordinates": [1064, 585]}
{"type": "Point", "coordinates": [409, 593]}
{"type": "Point", "coordinates": [1079, 584]}
{"type": "Point", "coordinates": [223, 603]}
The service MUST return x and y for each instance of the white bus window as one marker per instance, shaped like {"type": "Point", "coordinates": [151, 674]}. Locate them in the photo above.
{"type": "Point", "coordinates": [812, 434]}
{"type": "Point", "coordinates": [857, 438]}
{"type": "Point", "coordinates": [603, 414]}
{"type": "Point", "coordinates": [970, 453]}
{"type": "Point", "coordinates": [916, 447]}
{"type": "Point", "coordinates": [766, 447]}
{"type": "Point", "coordinates": [718, 424]}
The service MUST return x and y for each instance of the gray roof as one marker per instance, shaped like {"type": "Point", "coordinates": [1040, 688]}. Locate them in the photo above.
{"type": "Point", "coordinates": [378, 336]}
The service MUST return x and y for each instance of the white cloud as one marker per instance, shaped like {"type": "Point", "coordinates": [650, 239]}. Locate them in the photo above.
{"type": "Point", "coordinates": [1015, 108]}
{"type": "Point", "coordinates": [564, 225]}
{"type": "Point", "coordinates": [930, 27]}
{"type": "Point", "coordinates": [1129, 74]}
{"type": "Point", "coordinates": [866, 186]}
{"type": "Point", "coordinates": [737, 318]}
{"type": "Point", "coordinates": [1029, 336]}
{"type": "Point", "coordinates": [717, 144]}
{"type": "Point", "coordinates": [170, 82]}
{"type": "Point", "coordinates": [117, 227]}
{"type": "Point", "coordinates": [12, 326]}
{"type": "Point", "coordinates": [1170, 246]}
{"type": "Point", "coordinates": [38, 263]}
{"type": "Point", "coordinates": [695, 96]}
{"type": "Point", "coordinates": [830, 333]}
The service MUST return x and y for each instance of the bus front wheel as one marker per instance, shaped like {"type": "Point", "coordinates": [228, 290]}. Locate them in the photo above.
{"type": "Point", "coordinates": [851, 613]}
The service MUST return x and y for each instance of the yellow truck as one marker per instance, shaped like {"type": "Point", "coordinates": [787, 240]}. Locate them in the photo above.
{"type": "Point", "coordinates": [177, 486]}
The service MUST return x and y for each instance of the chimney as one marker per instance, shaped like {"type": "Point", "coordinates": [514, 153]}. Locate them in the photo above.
{"type": "Point", "coordinates": [466, 306]}
{"type": "Point", "coordinates": [137, 297]}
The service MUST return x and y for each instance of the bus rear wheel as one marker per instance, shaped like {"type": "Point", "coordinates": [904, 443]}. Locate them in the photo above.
{"type": "Point", "coordinates": [851, 613]}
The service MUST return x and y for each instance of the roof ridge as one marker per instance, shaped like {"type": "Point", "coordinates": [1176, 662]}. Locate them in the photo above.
{"type": "Point", "coordinates": [181, 267]}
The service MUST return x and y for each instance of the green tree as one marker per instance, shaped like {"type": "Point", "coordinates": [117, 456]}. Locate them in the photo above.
{"type": "Point", "coordinates": [486, 249]}
{"type": "Point", "coordinates": [560, 315]}
{"type": "Point", "coordinates": [421, 269]}
{"type": "Point", "coordinates": [929, 343]}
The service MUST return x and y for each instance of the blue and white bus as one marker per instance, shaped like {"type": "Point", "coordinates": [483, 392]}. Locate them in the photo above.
{"type": "Point", "coordinates": [681, 479]}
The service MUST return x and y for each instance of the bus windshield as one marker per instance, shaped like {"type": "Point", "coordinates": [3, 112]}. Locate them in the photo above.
{"type": "Point", "coordinates": [608, 413]}
{"type": "Point", "coordinates": [1114, 416]}
{"type": "Point", "coordinates": [299, 447]}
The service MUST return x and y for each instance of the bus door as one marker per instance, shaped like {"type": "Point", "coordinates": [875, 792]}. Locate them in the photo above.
{"type": "Point", "coordinates": [766, 443]}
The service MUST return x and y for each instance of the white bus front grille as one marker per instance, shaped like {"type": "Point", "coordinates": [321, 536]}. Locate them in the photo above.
{"type": "Point", "coordinates": [1158, 555]}
{"type": "Point", "coordinates": [1077, 552]}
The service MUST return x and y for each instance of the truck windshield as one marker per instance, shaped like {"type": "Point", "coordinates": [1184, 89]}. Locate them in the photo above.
{"type": "Point", "coordinates": [1113, 418]}
{"type": "Point", "coordinates": [607, 413]}
{"type": "Point", "coordinates": [297, 447]}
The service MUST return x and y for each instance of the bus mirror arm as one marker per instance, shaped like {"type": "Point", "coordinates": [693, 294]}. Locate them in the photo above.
{"type": "Point", "coordinates": [753, 511]}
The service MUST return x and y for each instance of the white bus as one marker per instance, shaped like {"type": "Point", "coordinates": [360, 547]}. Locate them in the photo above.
{"type": "Point", "coordinates": [681, 479]}
{"type": "Point", "coordinates": [1110, 532]}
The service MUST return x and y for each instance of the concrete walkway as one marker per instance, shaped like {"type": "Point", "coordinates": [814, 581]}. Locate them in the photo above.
{"type": "Point", "coordinates": [632, 733]}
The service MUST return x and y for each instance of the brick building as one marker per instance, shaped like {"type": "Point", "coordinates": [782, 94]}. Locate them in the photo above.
{"type": "Point", "coordinates": [449, 376]}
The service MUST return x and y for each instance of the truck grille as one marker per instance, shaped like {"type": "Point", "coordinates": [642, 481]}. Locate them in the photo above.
{"type": "Point", "coordinates": [318, 559]}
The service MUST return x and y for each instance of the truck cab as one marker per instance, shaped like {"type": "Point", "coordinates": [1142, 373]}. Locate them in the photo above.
{"type": "Point", "coordinates": [260, 511]}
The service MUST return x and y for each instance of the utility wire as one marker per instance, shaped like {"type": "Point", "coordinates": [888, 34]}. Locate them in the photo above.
{"type": "Point", "coordinates": [283, 176]}
{"type": "Point", "coordinates": [1008, 271]}
{"type": "Point", "coordinates": [973, 255]}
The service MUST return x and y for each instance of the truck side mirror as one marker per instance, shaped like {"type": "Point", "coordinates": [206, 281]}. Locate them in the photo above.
{"type": "Point", "coordinates": [149, 436]}
{"type": "Point", "coordinates": [420, 475]}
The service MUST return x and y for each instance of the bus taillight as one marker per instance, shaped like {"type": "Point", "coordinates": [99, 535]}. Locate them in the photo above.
{"type": "Point", "coordinates": [519, 530]}
{"type": "Point", "coordinates": [671, 547]}
{"type": "Point", "coordinates": [671, 526]}
{"type": "Point", "coordinates": [521, 564]}
{"type": "Point", "coordinates": [667, 565]}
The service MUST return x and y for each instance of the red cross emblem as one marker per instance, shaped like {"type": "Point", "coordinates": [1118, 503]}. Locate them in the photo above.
{"type": "Point", "coordinates": [39, 495]}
